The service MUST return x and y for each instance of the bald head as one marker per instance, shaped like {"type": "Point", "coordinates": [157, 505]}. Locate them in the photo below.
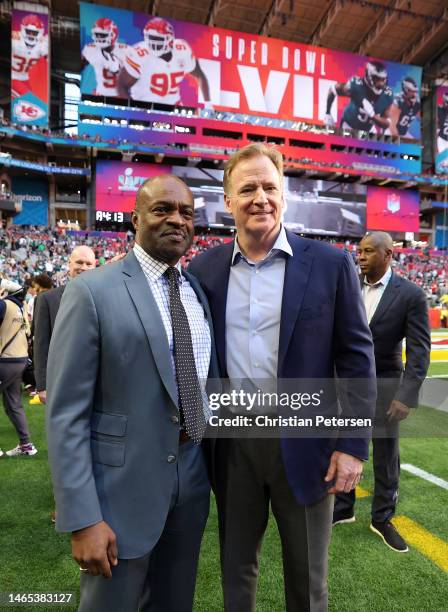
{"type": "Point", "coordinates": [81, 259]}
{"type": "Point", "coordinates": [156, 183]}
{"type": "Point", "coordinates": [375, 255]}
{"type": "Point", "coordinates": [381, 240]}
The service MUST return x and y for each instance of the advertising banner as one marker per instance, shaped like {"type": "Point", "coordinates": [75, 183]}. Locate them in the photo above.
{"type": "Point", "coordinates": [29, 64]}
{"type": "Point", "coordinates": [442, 130]}
{"type": "Point", "coordinates": [312, 206]}
{"type": "Point", "coordinates": [441, 237]}
{"type": "Point", "coordinates": [34, 196]}
{"type": "Point", "coordinates": [392, 210]}
{"type": "Point", "coordinates": [163, 61]}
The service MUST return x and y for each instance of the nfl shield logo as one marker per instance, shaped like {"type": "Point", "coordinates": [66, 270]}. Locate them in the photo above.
{"type": "Point", "coordinates": [393, 202]}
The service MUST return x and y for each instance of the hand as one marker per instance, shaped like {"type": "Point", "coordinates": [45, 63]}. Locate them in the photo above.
{"type": "Point", "coordinates": [94, 549]}
{"type": "Point", "coordinates": [368, 107]}
{"type": "Point", "coordinates": [329, 121]}
{"type": "Point", "coordinates": [115, 258]}
{"type": "Point", "coordinates": [346, 470]}
{"type": "Point", "coordinates": [42, 396]}
{"type": "Point", "coordinates": [397, 411]}
{"type": "Point", "coordinates": [112, 62]}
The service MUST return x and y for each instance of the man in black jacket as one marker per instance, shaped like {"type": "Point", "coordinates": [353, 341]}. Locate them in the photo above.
{"type": "Point", "coordinates": [396, 309]}
{"type": "Point", "coordinates": [45, 311]}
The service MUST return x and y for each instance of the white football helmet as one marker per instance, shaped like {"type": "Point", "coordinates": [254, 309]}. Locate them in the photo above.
{"type": "Point", "coordinates": [159, 36]}
{"type": "Point", "coordinates": [104, 33]}
{"type": "Point", "coordinates": [31, 30]}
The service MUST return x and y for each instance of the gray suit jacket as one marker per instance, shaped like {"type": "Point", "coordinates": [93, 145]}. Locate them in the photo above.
{"type": "Point", "coordinates": [111, 395]}
{"type": "Point", "coordinates": [45, 311]}
{"type": "Point", "coordinates": [401, 313]}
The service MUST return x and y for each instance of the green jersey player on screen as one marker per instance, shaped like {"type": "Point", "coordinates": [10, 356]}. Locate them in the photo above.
{"type": "Point", "coordinates": [370, 100]}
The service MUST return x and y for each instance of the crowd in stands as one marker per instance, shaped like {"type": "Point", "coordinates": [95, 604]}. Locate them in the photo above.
{"type": "Point", "coordinates": [26, 252]}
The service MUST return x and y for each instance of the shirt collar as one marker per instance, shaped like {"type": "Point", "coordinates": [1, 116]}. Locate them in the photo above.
{"type": "Point", "coordinates": [153, 268]}
{"type": "Point", "coordinates": [281, 244]}
{"type": "Point", "coordinates": [383, 280]}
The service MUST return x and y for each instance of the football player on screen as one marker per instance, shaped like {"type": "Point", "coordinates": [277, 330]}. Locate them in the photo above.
{"type": "Point", "coordinates": [370, 100]}
{"type": "Point", "coordinates": [442, 124]}
{"type": "Point", "coordinates": [405, 108]}
{"type": "Point", "coordinates": [29, 45]}
{"type": "Point", "coordinates": [105, 54]}
{"type": "Point", "coordinates": [155, 67]}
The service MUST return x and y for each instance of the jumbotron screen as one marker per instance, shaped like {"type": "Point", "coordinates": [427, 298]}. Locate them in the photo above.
{"type": "Point", "coordinates": [163, 61]}
{"type": "Point", "coordinates": [312, 206]}
{"type": "Point", "coordinates": [393, 210]}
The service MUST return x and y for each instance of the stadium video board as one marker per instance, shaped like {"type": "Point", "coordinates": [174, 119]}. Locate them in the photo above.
{"type": "Point", "coordinates": [442, 130]}
{"type": "Point", "coordinates": [393, 210]}
{"type": "Point", "coordinates": [29, 65]}
{"type": "Point", "coordinates": [163, 61]}
{"type": "Point", "coordinates": [312, 206]}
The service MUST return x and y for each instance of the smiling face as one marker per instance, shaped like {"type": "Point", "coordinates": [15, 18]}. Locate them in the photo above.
{"type": "Point", "coordinates": [81, 260]}
{"type": "Point", "coordinates": [163, 218]}
{"type": "Point", "coordinates": [255, 198]}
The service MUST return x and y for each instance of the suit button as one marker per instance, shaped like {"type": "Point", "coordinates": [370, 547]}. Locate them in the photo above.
{"type": "Point", "coordinates": [171, 458]}
{"type": "Point", "coordinates": [174, 419]}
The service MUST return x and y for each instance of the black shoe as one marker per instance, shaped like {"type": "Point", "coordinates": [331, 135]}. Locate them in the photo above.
{"type": "Point", "coordinates": [343, 516]}
{"type": "Point", "coordinates": [390, 536]}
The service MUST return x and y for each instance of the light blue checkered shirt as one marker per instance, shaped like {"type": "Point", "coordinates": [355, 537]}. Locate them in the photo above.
{"type": "Point", "coordinates": [154, 271]}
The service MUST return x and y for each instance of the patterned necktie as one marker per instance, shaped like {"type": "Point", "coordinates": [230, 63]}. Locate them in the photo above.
{"type": "Point", "coordinates": [190, 396]}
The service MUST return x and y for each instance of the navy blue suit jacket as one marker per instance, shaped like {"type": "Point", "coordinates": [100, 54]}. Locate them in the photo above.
{"type": "Point", "coordinates": [323, 331]}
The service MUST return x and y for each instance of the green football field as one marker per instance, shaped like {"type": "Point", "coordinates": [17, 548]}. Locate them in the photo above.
{"type": "Point", "coordinates": [365, 576]}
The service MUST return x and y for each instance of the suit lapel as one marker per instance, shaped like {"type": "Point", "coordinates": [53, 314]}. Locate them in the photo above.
{"type": "Point", "coordinates": [151, 320]}
{"type": "Point", "coordinates": [218, 287]}
{"type": "Point", "coordinates": [213, 370]}
{"type": "Point", "coordinates": [297, 273]}
{"type": "Point", "coordinates": [389, 295]}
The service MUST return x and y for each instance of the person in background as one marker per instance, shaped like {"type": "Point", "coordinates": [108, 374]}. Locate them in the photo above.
{"type": "Point", "coordinates": [46, 308]}
{"type": "Point", "coordinates": [14, 331]}
{"type": "Point", "coordinates": [396, 310]}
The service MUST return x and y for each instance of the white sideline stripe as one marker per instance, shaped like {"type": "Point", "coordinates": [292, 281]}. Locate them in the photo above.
{"type": "Point", "coordinates": [425, 475]}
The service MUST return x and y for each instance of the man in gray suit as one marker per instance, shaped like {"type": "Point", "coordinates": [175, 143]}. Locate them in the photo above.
{"type": "Point", "coordinates": [396, 309]}
{"type": "Point", "coordinates": [46, 307]}
{"type": "Point", "coordinates": [126, 412]}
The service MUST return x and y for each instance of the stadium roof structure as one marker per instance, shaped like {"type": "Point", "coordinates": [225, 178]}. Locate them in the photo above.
{"type": "Point", "coordinates": [407, 31]}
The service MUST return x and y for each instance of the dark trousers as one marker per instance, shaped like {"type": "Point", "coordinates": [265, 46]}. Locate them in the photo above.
{"type": "Point", "coordinates": [164, 579]}
{"type": "Point", "coordinates": [386, 460]}
{"type": "Point", "coordinates": [253, 476]}
{"type": "Point", "coordinates": [10, 387]}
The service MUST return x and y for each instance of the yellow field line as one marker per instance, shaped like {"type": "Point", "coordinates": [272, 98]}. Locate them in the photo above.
{"type": "Point", "coordinates": [436, 355]}
{"type": "Point", "coordinates": [428, 544]}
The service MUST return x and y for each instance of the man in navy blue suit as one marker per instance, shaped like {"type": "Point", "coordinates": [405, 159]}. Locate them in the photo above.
{"type": "Point", "coordinates": [283, 307]}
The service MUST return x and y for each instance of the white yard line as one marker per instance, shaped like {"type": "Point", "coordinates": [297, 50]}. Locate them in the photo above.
{"type": "Point", "coordinates": [408, 467]}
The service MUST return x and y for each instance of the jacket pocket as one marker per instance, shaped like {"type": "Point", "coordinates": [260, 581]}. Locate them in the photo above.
{"type": "Point", "coordinates": [108, 423]}
{"type": "Point", "coordinates": [108, 453]}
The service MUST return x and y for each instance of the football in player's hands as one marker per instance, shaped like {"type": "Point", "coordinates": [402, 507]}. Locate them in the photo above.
{"type": "Point", "coordinates": [368, 107]}
{"type": "Point", "coordinates": [112, 63]}
{"type": "Point", "coordinates": [329, 121]}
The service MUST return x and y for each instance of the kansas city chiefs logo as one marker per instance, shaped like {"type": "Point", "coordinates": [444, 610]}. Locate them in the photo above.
{"type": "Point", "coordinates": [27, 111]}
